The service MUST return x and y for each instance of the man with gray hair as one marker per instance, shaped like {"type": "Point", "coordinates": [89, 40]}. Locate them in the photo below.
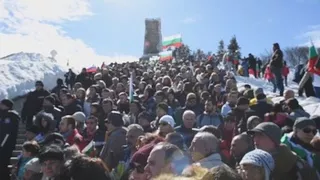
{"type": "Point", "coordinates": [204, 150]}
{"type": "Point", "coordinates": [186, 129]}
{"type": "Point", "coordinates": [134, 131]}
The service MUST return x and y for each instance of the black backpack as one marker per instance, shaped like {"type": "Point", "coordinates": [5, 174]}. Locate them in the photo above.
{"type": "Point", "coordinates": [298, 73]}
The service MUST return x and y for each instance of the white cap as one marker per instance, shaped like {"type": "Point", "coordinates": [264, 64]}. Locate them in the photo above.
{"type": "Point", "coordinates": [168, 119]}
{"type": "Point", "coordinates": [33, 165]}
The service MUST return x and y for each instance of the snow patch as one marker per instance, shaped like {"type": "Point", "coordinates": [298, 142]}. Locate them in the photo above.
{"type": "Point", "coordinates": [310, 104]}
{"type": "Point", "coordinates": [20, 71]}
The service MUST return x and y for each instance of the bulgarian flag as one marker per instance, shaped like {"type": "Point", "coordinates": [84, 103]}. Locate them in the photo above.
{"type": "Point", "coordinates": [89, 150]}
{"type": "Point", "coordinates": [172, 41]}
{"type": "Point", "coordinates": [165, 56]}
{"type": "Point", "coordinates": [313, 63]}
{"type": "Point", "coordinates": [131, 92]}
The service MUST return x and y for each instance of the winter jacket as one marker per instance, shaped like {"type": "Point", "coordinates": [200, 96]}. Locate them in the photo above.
{"type": "Point", "coordinates": [211, 161]}
{"type": "Point", "coordinates": [298, 113]}
{"type": "Point", "coordinates": [33, 103]}
{"type": "Point", "coordinates": [268, 75]}
{"type": "Point", "coordinates": [209, 119]}
{"type": "Point", "coordinates": [9, 123]}
{"type": "Point", "coordinates": [112, 151]}
{"type": "Point", "coordinates": [277, 59]}
{"type": "Point", "coordinates": [261, 108]}
{"type": "Point", "coordinates": [285, 71]}
{"type": "Point", "coordinates": [187, 134]}
{"type": "Point", "coordinates": [296, 148]}
{"type": "Point", "coordinates": [290, 166]}
{"type": "Point", "coordinates": [72, 108]}
{"type": "Point", "coordinates": [279, 118]}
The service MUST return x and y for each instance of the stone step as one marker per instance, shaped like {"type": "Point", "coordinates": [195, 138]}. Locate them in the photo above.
{"type": "Point", "coordinates": [13, 160]}
{"type": "Point", "coordinates": [21, 141]}
{"type": "Point", "coordinates": [16, 153]}
{"type": "Point", "coordinates": [21, 136]}
{"type": "Point", "coordinates": [19, 147]}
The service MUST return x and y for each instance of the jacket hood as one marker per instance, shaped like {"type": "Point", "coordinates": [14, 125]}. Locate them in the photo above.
{"type": "Point", "coordinates": [284, 158]}
{"type": "Point", "coordinates": [48, 117]}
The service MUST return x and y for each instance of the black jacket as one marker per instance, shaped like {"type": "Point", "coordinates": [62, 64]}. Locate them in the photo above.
{"type": "Point", "coordinates": [277, 59]}
{"type": "Point", "coordinates": [33, 103]}
{"type": "Point", "coordinates": [72, 108]}
{"type": "Point", "coordinates": [9, 123]}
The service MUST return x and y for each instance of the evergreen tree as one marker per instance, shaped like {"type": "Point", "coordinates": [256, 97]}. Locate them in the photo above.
{"type": "Point", "coordinates": [221, 50]}
{"type": "Point", "coordinates": [234, 46]}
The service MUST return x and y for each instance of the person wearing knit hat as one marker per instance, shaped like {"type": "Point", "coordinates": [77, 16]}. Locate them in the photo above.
{"type": "Point", "coordinates": [269, 130]}
{"type": "Point", "coordinates": [243, 103]}
{"type": "Point", "coordinates": [80, 118]}
{"type": "Point", "coordinates": [257, 165]}
{"type": "Point", "coordinates": [7, 103]}
{"type": "Point", "coordinates": [31, 168]}
{"type": "Point", "coordinates": [304, 130]}
{"type": "Point", "coordinates": [258, 91]}
{"type": "Point", "coordinates": [166, 125]}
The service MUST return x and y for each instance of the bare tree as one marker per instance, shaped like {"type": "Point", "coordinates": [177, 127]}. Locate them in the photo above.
{"type": "Point", "coordinates": [265, 57]}
{"type": "Point", "coordinates": [296, 55]}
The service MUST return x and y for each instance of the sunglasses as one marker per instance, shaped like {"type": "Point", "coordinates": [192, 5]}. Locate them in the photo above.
{"type": "Point", "coordinates": [106, 122]}
{"type": "Point", "coordinates": [163, 123]}
{"type": "Point", "coordinates": [139, 168]}
{"type": "Point", "coordinates": [309, 130]}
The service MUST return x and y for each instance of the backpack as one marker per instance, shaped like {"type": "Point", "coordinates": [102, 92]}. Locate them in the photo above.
{"type": "Point", "coordinates": [297, 73]}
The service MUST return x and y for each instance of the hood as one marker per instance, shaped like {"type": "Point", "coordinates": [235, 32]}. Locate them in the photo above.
{"type": "Point", "coordinates": [211, 161]}
{"type": "Point", "coordinates": [284, 158]}
{"type": "Point", "coordinates": [48, 117]}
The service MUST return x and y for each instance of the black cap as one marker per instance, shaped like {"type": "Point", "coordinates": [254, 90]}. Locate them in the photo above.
{"type": "Point", "coordinates": [115, 118]}
{"type": "Point", "coordinates": [52, 152]}
{"type": "Point", "coordinates": [53, 138]}
{"type": "Point", "coordinates": [8, 103]}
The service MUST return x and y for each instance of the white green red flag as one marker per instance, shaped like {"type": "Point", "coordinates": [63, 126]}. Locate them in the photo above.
{"type": "Point", "coordinates": [89, 150]}
{"type": "Point", "coordinates": [165, 56]}
{"type": "Point", "coordinates": [131, 91]}
{"type": "Point", "coordinates": [172, 41]}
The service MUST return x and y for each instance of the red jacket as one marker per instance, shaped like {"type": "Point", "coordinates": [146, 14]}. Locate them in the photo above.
{"type": "Point", "coordinates": [285, 71]}
{"type": "Point", "coordinates": [74, 138]}
{"type": "Point", "coordinates": [268, 75]}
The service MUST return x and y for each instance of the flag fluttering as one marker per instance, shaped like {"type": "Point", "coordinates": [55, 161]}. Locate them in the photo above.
{"type": "Point", "coordinates": [313, 63]}
{"type": "Point", "coordinates": [131, 92]}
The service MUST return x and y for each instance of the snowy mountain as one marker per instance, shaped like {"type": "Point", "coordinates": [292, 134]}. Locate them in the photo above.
{"type": "Point", "coordinates": [20, 71]}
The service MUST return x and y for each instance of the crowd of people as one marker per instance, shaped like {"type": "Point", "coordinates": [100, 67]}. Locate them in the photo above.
{"type": "Point", "coordinates": [135, 121]}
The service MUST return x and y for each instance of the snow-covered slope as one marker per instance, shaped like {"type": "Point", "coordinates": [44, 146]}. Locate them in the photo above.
{"type": "Point", "coordinates": [311, 104]}
{"type": "Point", "coordinates": [20, 71]}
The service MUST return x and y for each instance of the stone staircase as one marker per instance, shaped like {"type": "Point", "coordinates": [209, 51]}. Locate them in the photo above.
{"type": "Point", "coordinates": [21, 134]}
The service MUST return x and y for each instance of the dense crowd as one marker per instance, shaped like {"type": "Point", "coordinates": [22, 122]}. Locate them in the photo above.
{"type": "Point", "coordinates": [174, 120]}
